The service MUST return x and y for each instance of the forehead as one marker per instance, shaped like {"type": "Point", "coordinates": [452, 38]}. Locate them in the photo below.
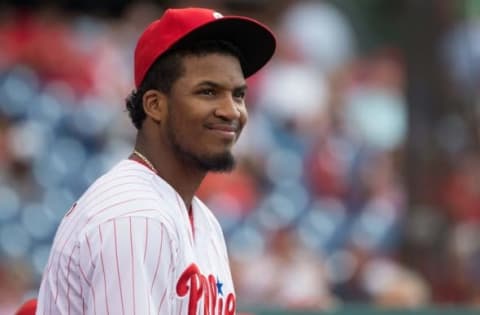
{"type": "Point", "coordinates": [221, 68]}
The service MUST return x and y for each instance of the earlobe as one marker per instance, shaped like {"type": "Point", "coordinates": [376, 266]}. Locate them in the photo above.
{"type": "Point", "coordinates": [154, 105]}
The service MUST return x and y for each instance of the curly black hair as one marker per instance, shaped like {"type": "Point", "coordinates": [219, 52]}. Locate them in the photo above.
{"type": "Point", "coordinates": [167, 69]}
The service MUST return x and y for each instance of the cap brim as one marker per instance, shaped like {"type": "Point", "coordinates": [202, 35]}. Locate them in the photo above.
{"type": "Point", "coordinates": [255, 41]}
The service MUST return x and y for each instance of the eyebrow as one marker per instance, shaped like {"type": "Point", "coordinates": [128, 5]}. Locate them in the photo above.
{"type": "Point", "coordinates": [220, 86]}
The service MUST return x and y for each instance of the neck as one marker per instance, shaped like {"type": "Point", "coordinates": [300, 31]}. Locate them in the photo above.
{"type": "Point", "coordinates": [183, 178]}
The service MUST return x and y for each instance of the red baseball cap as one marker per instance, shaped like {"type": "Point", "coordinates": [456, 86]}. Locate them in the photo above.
{"type": "Point", "coordinates": [255, 41]}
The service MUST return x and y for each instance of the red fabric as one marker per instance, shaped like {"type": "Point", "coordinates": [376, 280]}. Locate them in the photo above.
{"type": "Point", "coordinates": [28, 308]}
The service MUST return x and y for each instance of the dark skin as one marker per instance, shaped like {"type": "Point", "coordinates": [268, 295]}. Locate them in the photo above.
{"type": "Point", "coordinates": [200, 119]}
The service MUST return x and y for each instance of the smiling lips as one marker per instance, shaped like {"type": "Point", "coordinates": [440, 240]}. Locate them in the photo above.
{"type": "Point", "coordinates": [225, 130]}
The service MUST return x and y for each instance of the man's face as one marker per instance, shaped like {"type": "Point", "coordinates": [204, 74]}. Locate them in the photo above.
{"type": "Point", "coordinates": [206, 111]}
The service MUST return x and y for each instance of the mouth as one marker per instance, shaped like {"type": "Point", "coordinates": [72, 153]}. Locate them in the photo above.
{"type": "Point", "coordinates": [226, 131]}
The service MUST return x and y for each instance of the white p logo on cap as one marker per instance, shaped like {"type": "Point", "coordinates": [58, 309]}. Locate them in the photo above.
{"type": "Point", "coordinates": [217, 15]}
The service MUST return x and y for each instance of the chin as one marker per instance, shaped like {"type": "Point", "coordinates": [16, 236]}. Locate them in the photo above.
{"type": "Point", "coordinates": [223, 162]}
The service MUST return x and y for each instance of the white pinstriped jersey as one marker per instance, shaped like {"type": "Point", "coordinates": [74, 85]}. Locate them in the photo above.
{"type": "Point", "coordinates": [127, 247]}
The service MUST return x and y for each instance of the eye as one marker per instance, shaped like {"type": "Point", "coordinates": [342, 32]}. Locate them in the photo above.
{"type": "Point", "coordinates": [207, 92]}
{"type": "Point", "coordinates": [239, 94]}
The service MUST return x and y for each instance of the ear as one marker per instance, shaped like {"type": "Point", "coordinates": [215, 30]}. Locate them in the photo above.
{"type": "Point", "coordinates": [155, 105]}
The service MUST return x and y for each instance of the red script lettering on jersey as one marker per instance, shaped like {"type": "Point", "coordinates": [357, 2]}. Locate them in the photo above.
{"type": "Point", "coordinates": [199, 287]}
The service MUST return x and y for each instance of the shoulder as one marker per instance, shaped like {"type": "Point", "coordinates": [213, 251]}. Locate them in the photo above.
{"type": "Point", "coordinates": [126, 183]}
{"type": "Point", "coordinates": [127, 190]}
{"type": "Point", "coordinates": [126, 173]}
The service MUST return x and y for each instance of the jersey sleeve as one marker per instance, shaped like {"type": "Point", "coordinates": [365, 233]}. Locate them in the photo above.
{"type": "Point", "coordinates": [127, 265]}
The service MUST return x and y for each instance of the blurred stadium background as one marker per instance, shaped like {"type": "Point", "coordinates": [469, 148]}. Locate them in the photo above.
{"type": "Point", "coordinates": [359, 172]}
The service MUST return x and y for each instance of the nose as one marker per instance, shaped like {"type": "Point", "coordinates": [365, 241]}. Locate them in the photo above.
{"type": "Point", "coordinates": [229, 109]}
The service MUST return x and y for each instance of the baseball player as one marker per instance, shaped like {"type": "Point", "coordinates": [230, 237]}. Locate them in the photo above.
{"type": "Point", "coordinates": [138, 241]}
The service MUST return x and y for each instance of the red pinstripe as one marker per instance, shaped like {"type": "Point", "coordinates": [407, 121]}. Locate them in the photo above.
{"type": "Point", "coordinates": [92, 266]}
{"type": "Point", "coordinates": [114, 196]}
{"type": "Point", "coordinates": [158, 262]}
{"type": "Point", "coordinates": [68, 276]}
{"type": "Point", "coordinates": [103, 270]}
{"type": "Point", "coordinates": [89, 249]}
{"type": "Point", "coordinates": [161, 301]}
{"type": "Point", "coordinates": [109, 187]}
{"type": "Point", "coordinates": [139, 211]}
{"type": "Point", "coordinates": [82, 273]}
{"type": "Point", "coordinates": [118, 265]}
{"type": "Point", "coordinates": [57, 278]}
{"type": "Point", "coordinates": [114, 205]}
{"type": "Point", "coordinates": [102, 193]}
{"type": "Point", "coordinates": [133, 264]}
{"type": "Point", "coordinates": [91, 287]}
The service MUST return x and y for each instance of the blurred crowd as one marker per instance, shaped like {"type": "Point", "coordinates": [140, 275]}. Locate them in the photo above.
{"type": "Point", "coordinates": [315, 213]}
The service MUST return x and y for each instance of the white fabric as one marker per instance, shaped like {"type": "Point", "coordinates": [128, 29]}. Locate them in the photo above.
{"type": "Point", "coordinates": [123, 247]}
